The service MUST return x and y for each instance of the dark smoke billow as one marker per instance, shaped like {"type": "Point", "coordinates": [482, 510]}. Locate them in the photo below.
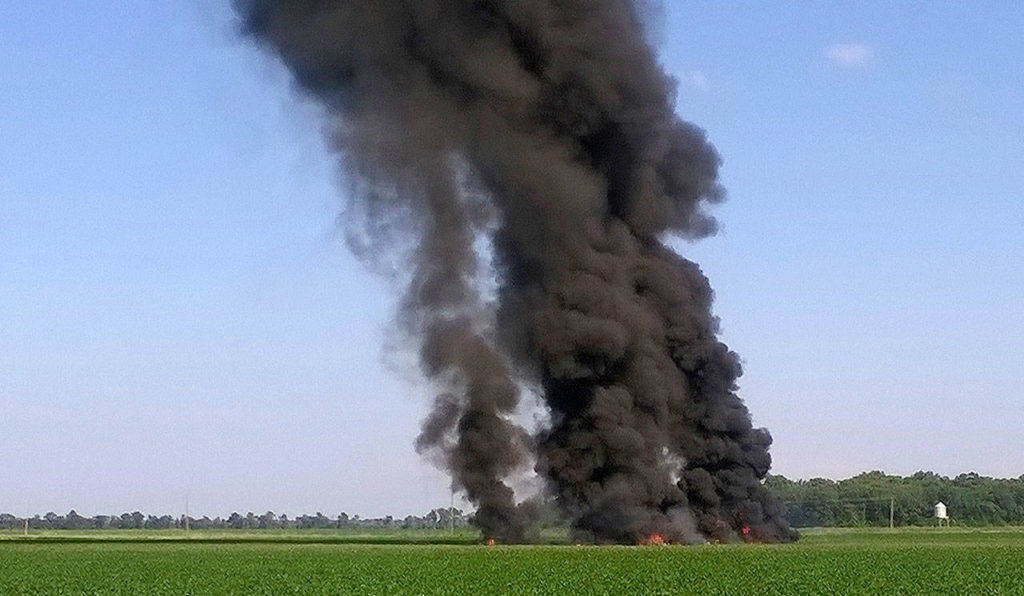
{"type": "Point", "coordinates": [546, 128]}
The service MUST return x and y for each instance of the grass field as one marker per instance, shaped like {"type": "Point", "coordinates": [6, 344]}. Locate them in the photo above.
{"type": "Point", "coordinates": [913, 561]}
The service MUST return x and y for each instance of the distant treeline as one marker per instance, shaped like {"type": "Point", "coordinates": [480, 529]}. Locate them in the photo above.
{"type": "Point", "coordinates": [437, 518]}
{"type": "Point", "coordinates": [864, 500]}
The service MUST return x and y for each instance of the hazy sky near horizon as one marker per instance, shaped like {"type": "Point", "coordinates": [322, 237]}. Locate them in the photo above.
{"type": "Point", "coordinates": [179, 313]}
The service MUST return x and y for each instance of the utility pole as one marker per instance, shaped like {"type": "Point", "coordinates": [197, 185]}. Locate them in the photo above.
{"type": "Point", "coordinates": [451, 514]}
{"type": "Point", "coordinates": [186, 515]}
{"type": "Point", "coordinates": [892, 510]}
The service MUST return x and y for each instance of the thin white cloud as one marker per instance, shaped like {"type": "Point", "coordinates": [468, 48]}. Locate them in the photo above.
{"type": "Point", "coordinates": [696, 79]}
{"type": "Point", "coordinates": [850, 54]}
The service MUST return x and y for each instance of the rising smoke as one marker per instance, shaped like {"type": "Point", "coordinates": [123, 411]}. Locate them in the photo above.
{"type": "Point", "coordinates": [547, 129]}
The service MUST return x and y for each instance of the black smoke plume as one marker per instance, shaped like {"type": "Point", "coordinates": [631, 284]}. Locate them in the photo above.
{"type": "Point", "coordinates": [547, 129]}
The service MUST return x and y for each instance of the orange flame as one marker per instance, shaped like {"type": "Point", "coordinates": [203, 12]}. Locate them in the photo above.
{"type": "Point", "coordinates": [652, 540]}
{"type": "Point", "coordinates": [748, 535]}
{"type": "Point", "coordinates": [490, 542]}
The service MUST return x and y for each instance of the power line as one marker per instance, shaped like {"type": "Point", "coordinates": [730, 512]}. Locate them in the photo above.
{"type": "Point", "coordinates": [853, 501]}
{"type": "Point", "coordinates": [848, 500]}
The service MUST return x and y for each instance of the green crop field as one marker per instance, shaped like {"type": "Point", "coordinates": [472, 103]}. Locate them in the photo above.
{"type": "Point", "coordinates": [923, 561]}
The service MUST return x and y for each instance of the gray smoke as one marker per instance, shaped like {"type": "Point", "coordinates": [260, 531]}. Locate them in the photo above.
{"type": "Point", "coordinates": [545, 128]}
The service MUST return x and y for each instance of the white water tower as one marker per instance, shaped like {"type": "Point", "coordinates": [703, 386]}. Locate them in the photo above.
{"type": "Point", "coordinates": [941, 514]}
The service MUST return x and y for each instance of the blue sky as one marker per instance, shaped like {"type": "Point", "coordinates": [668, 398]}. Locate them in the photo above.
{"type": "Point", "coordinates": [179, 315]}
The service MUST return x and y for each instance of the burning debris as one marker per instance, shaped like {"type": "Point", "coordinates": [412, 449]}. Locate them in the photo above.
{"type": "Point", "coordinates": [652, 540]}
{"type": "Point", "coordinates": [546, 129]}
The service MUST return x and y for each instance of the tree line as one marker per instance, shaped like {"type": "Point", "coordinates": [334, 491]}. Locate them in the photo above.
{"type": "Point", "coordinates": [865, 499]}
{"type": "Point", "coordinates": [436, 518]}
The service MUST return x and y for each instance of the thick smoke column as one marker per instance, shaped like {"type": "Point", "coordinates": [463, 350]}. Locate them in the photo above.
{"type": "Point", "coordinates": [547, 128]}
